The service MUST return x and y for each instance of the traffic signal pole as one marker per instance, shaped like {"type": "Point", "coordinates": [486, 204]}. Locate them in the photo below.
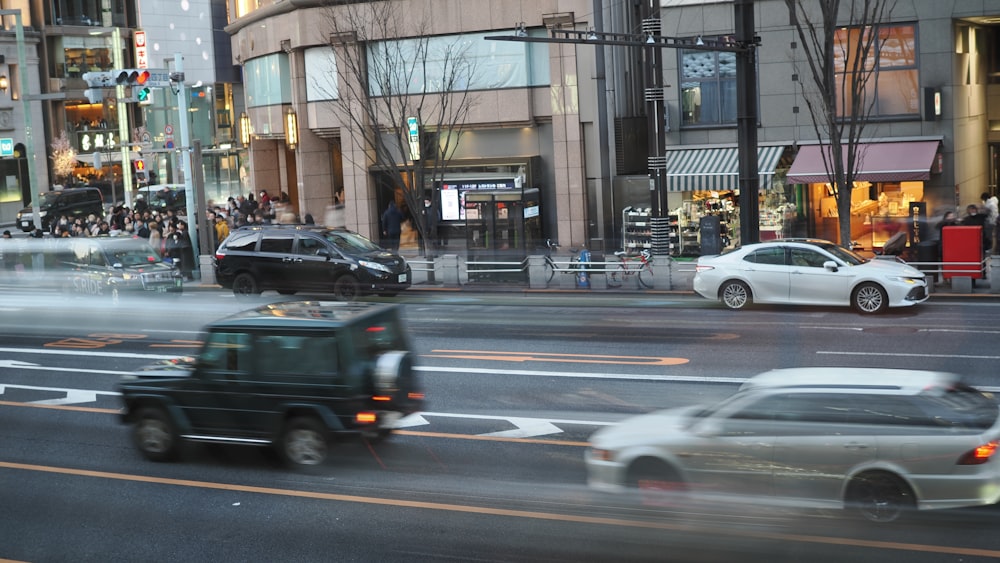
{"type": "Point", "coordinates": [123, 134]}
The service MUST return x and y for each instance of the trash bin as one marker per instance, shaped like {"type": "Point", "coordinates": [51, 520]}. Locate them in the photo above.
{"type": "Point", "coordinates": [927, 252]}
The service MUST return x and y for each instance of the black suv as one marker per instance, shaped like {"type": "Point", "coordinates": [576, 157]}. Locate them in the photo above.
{"type": "Point", "coordinates": [73, 203]}
{"type": "Point", "coordinates": [292, 258]}
{"type": "Point", "coordinates": [291, 375]}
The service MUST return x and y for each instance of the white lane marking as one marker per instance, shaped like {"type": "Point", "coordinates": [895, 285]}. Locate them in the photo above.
{"type": "Point", "coordinates": [102, 354]}
{"type": "Point", "coordinates": [585, 375]}
{"type": "Point", "coordinates": [25, 365]}
{"type": "Point", "coordinates": [527, 428]}
{"type": "Point", "coordinates": [907, 355]}
{"type": "Point", "coordinates": [73, 397]}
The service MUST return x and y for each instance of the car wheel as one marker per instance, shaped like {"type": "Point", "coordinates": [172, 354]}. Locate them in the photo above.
{"type": "Point", "coordinates": [879, 497]}
{"type": "Point", "coordinates": [870, 298]}
{"type": "Point", "coordinates": [303, 442]}
{"type": "Point", "coordinates": [655, 479]}
{"type": "Point", "coordinates": [735, 294]}
{"type": "Point", "coordinates": [154, 434]}
{"type": "Point", "coordinates": [245, 285]}
{"type": "Point", "coordinates": [347, 288]}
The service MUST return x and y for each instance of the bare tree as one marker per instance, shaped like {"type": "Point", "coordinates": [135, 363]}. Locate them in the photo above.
{"type": "Point", "coordinates": [391, 71]}
{"type": "Point", "coordinates": [842, 59]}
{"type": "Point", "coordinates": [63, 159]}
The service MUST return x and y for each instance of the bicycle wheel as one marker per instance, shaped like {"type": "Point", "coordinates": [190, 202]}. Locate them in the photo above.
{"type": "Point", "coordinates": [617, 277]}
{"type": "Point", "coordinates": [550, 270]}
{"type": "Point", "coordinates": [646, 275]}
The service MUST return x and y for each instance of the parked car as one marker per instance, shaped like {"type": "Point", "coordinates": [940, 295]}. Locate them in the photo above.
{"type": "Point", "coordinates": [880, 441]}
{"type": "Point", "coordinates": [808, 272]}
{"type": "Point", "coordinates": [72, 202]}
{"type": "Point", "coordinates": [293, 258]}
{"type": "Point", "coordinates": [163, 197]}
{"type": "Point", "coordinates": [290, 375]}
{"type": "Point", "coordinates": [112, 267]}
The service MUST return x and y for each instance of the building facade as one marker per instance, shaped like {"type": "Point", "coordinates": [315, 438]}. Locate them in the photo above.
{"type": "Point", "coordinates": [576, 120]}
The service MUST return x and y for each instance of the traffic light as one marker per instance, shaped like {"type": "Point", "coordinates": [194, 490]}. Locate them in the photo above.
{"type": "Point", "coordinates": [131, 77]}
{"type": "Point", "coordinates": [137, 79]}
{"type": "Point", "coordinates": [141, 174]}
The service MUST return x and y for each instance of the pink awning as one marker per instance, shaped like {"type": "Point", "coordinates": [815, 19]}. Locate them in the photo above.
{"type": "Point", "coordinates": [877, 162]}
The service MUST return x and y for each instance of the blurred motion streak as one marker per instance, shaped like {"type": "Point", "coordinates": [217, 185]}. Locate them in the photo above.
{"type": "Point", "coordinates": [551, 357]}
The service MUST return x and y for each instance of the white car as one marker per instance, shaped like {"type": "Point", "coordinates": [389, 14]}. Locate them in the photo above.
{"type": "Point", "coordinates": [808, 272]}
{"type": "Point", "coordinates": [881, 441]}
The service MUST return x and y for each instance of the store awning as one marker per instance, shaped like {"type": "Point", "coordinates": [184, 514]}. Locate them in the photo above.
{"type": "Point", "coordinates": [878, 162]}
{"type": "Point", "coordinates": [715, 169]}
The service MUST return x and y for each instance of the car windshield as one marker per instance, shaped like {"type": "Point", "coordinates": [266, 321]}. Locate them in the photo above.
{"type": "Point", "coordinates": [351, 243]}
{"type": "Point", "coordinates": [138, 254]}
{"type": "Point", "coordinates": [849, 257]}
{"type": "Point", "coordinates": [48, 199]}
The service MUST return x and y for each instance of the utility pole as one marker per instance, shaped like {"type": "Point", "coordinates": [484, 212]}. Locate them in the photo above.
{"type": "Point", "coordinates": [746, 122]}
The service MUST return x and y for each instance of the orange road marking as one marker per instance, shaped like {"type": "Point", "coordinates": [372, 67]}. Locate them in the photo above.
{"type": "Point", "coordinates": [553, 357]}
{"type": "Point", "coordinates": [513, 513]}
{"type": "Point", "coordinates": [59, 407]}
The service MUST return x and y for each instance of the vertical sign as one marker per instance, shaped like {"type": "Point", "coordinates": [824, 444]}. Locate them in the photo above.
{"type": "Point", "coordinates": [141, 54]}
{"type": "Point", "coordinates": [414, 132]}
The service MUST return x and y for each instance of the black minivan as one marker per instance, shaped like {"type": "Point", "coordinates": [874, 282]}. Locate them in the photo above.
{"type": "Point", "coordinates": [293, 258]}
{"type": "Point", "coordinates": [72, 202]}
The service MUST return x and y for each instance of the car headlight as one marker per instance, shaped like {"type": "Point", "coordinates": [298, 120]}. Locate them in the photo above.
{"type": "Point", "coordinates": [374, 266]}
{"type": "Point", "coordinates": [907, 279]}
{"type": "Point", "coordinates": [127, 276]}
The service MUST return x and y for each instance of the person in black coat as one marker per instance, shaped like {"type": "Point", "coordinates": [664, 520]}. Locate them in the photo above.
{"type": "Point", "coordinates": [392, 226]}
{"type": "Point", "coordinates": [185, 251]}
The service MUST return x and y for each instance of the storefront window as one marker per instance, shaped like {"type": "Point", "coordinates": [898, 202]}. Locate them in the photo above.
{"type": "Point", "coordinates": [878, 211]}
{"type": "Point", "coordinates": [893, 59]}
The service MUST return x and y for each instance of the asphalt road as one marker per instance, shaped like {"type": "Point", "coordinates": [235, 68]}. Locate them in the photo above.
{"type": "Point", "coordinates": [492, 471]}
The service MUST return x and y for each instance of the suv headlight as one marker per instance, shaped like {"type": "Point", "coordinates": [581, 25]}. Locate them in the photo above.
{"type": "Point", "coordinates": [374, 266]}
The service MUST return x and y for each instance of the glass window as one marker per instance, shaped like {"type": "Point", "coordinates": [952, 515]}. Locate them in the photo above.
{"type": "Point", "coordinates": [775, 256]}
{"type": "Point", "coordinates": [708, 87]}
{"type": "Point", "coordinates": [309, 246]}
{"type": "Point", "coordinates": [316, 358]}
{"type": "Point", "coordinates": [321, 74]}
{"type": "Point", "coordinates": [267, 81]}
{"type": "Point", "coordinates": [808, 258]}
{"type": "Point", "coordinates": [226, 352]}
{"type": "Point", "coordinates": [277, 242]}
{"type": "Point", "coordinates": [893, 60]}
{"type": "Point", "coordinates": [243, 242]}
{"type": "Point", "coordinates": [456, 63]}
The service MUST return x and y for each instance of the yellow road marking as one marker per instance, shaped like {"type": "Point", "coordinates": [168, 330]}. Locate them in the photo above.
{"type": "Point", "coordinates": [489, 511]}
{"type": "Point", "coordinates": [554, 357]}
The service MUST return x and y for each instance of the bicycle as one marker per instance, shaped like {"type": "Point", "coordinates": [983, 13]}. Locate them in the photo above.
{"type": "Point", "coordinates": [640, 265]}
{"type": "Point", "coordinates": [551, 266]}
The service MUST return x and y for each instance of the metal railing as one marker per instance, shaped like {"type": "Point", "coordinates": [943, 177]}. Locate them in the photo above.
{"type": "Point", "coordinates": [473, 267]}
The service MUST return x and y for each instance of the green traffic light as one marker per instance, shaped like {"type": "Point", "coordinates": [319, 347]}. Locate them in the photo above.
{"type": "Point", "coordinates": [143, 94]}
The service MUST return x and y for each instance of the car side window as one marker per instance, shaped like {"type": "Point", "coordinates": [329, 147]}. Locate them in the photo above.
{"type": "Point", "coordinates": [277, 241]}
{"type": "Point", "coordinates": [309, 246]}
{"type": "Point", "coordinates": [774, 256]}
{"type": "Point", "coordinates": [807, 258]}
{"type": "Point", "coordinates": [243, 242]}
{"type": "Point", "coordinates": [316, 358]}
{"type": "Point", "coordinates": [226, 353]}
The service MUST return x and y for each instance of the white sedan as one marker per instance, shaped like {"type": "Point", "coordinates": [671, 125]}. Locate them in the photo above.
{"type": "Point", "coordinates": [808, 272]}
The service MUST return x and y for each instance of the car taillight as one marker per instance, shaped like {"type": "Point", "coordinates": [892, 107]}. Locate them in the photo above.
{"type": "Point", "coordinates": [980, 454]}
{"type": "Point", "coordinates": [415, 396]}
{"type": "Point", "coordinates": [381, 398]}
{"type": "Point", "coordinates": [700, 268]}
{"type": "Point", "coordinates": [366, 418]}
{"type": "Point", "coordinates": [220, 255]}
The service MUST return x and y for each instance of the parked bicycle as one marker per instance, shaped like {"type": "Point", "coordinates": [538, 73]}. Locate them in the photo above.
{"type": "Point", "coordinates": [640, 265]}
{"type": "Point", "coordinates": [551, 266]}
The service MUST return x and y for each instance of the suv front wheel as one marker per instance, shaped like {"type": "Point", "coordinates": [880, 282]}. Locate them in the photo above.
{"type": "Point", "coordinates": [154, 434]}
{"type": "Point", "coordinates": [347, 288]}
{"type": "Point", "coordinates": [303, 442]}
{"type": "Point", "coordinates": [245, 285]}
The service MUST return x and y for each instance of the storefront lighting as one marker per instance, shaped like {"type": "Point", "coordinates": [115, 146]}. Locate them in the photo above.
{"type": "Point", "coordinates": [291, 128]}
{"type": "Point", "coordinates": [4, 83]}
{"type": "Point", "coordinates": [245, 132]}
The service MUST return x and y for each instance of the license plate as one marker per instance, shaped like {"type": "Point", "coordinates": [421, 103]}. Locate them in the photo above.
{"type": "Point", "coordinates": [402, 278]}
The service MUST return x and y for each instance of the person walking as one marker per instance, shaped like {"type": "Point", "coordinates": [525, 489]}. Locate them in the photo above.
{"type": "Point", "coordinates": [392, 226]}
{"type": "Point", "coordinates": [973, 218]}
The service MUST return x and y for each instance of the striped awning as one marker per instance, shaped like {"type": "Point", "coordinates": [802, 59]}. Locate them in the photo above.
{"type": "Point", "coordinates": [715, 169]}
{"type": "Point", "coordinates": [877, 162]}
